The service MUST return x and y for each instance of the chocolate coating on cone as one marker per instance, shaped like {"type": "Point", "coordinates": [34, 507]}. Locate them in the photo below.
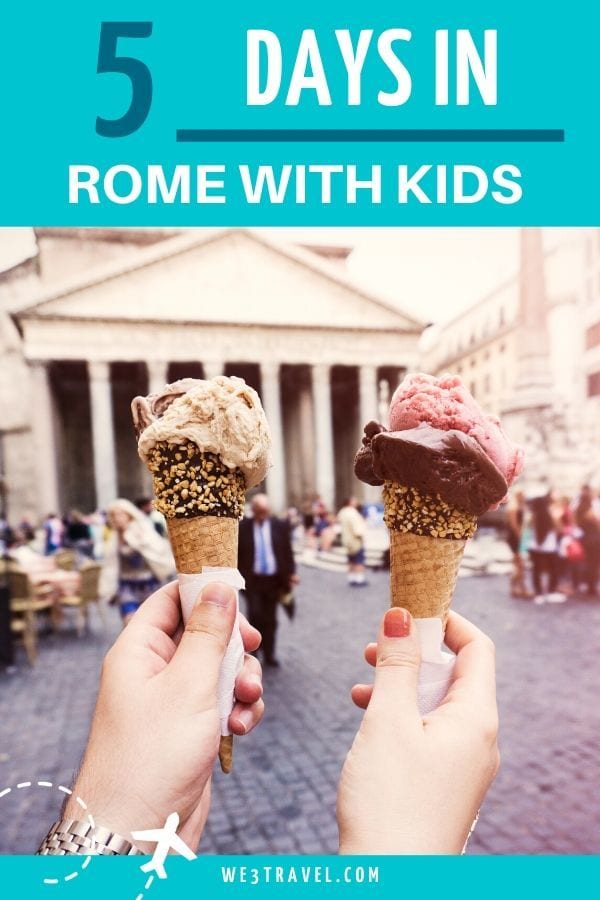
{"type": "Point", "coordinates": [188, 482]}
{"type": "Point", "coordinates": [435, 462]}
{"type": "Point", "coordinates": [407, 509]}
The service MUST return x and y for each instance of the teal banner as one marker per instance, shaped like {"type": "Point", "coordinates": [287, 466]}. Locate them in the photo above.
{"type": "Point", "coordinates": [228, 877]}
{"type": "Point", "coordinates": [345, 113]}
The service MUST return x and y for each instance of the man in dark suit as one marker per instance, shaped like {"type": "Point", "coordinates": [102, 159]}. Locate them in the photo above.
{"type": "Point", "coordinates": [266, 561]}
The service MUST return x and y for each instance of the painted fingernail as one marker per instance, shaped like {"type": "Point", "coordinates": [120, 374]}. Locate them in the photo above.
{"type": "Point", "coordinates": [396, 623]}
{"type": "Point", "coordinates": [244, 718]}
{"type": "Point", "coordinates": [219, 594]}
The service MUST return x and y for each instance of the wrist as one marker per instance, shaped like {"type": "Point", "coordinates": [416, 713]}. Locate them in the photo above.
{"type": "Point", "coordinates": [396, 842]}
{"type": "Point", "coordinates": [111, 807]}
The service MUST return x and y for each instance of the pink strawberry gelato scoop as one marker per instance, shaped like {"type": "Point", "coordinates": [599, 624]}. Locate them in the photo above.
{"type": "Point", "coordinates": [445, 403]}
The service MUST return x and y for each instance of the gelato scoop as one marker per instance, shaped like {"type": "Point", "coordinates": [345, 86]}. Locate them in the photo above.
{"type": "Point", "coordinates": [222, 416]}
{"type": "Point", "coordinates": [448, 463]}
{"type": "Point", "coordinates": [446, 404]}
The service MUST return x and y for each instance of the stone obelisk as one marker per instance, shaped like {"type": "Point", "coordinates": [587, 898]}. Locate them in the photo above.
{"type": "Point", "coordinates": [527, 411]}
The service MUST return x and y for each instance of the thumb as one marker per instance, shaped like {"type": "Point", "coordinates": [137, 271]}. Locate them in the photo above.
{"type": "Point", "coordinates": [398, 661]}
{"type": "Point", "coordinates": [198, 658]}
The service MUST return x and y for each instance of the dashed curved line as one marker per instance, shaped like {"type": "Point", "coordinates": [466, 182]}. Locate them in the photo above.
{"type": "Point", "coordinates": [65, 790]}
{"type": "Point", "coordinates": [147, 887]}
{"type": "Point", "coordinates": [88, 857]}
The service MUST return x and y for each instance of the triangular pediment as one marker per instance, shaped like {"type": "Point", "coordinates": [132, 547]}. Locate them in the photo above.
{"type": "Point", "coordinates": [233, 276]}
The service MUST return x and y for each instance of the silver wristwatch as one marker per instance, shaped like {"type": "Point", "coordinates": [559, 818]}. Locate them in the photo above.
{"type": "Point", "coordinates": [70, 837]}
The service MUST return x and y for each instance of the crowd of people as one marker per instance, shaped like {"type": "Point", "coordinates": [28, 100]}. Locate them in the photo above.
{"type": "Point", "coordinates": [560, 539]}
{"type": "Point", "coordinates": [555, 543]}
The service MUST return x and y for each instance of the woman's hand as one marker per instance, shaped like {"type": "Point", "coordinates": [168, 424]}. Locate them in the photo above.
{"type": "Point", "coordinates": [155, 733]}
{"type": "Point", "coordinates": [411, 785]}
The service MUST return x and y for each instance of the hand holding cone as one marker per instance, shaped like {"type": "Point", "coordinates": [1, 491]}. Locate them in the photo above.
{"type": "Point", "coordinates": [205, 443]}
{"type": "Point", "coordinates": [444, 465]}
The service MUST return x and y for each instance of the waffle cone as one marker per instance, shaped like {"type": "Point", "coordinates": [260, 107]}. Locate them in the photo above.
{"type": "Point", "coordinates": [203, 541]}
{"type": "Point", "coordinates": [423, 573]}
{"type": "Point", "coordinates": [206, 541]}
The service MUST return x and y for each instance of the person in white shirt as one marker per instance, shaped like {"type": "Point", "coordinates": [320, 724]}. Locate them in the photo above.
{"type": "Point", "coordinates": [353, 528]}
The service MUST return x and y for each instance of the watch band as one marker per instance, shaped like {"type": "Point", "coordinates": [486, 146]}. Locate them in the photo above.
{"type": "Point", "coordinates": [70, 837]}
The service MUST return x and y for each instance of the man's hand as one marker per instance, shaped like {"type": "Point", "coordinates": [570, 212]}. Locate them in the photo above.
{"type": "Point", "coordinates": [155, 732]}
{"type": "Point", "coordinates": [294, 579]}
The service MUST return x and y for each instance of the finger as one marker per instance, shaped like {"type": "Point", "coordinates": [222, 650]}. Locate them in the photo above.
{"type": "Point", "coordinates": [371, 654]}
{"type": "Point", "coordinates": [361, 695]}
{"type": "Point", "coordinates": [397, 669]}
{"type": "Point", "coordinates": [200, 653]}
{"type": "Point", "coordinates": [248, 684]}
{"type": "Point", "coordinates": [244, 717]}
{"type": "Point", "coordinates": [474, 677]}
{"type": "Point", "coordinates": [161, 610]}
{"type": "Point", "coordinates": [251, 636]}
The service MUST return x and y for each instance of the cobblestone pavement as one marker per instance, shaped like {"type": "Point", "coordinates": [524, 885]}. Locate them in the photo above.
{"type": "Point", "coordinates": [281, 795]}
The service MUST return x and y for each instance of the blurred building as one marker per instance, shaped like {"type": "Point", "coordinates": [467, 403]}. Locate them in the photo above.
{"type": "Point", "coordinates": [96, 316]}
{"type": "Point", "coordinates": [591, 324]}
{"type": "Point", "coordinates": [534, 344]}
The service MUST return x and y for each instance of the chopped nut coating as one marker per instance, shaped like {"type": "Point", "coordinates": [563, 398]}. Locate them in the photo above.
{"type": "Point", "coordinates": [407, 510]}
{"type": "Point", "coordinates": [189, 483]}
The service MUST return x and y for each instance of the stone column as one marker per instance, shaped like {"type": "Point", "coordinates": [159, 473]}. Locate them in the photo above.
{"type": "Point", "coordinates": [368, 395]}
{"type": "Point", "coordinates": [103, 434]}
{"type": "Point", "coordinates": [158, 375]}
{"type": "Point", "coordinates": [44, 441]}
{"type": "Point", "coordinates": [306, 421]}
{"type": "Point", "coordinates": [213, 367]}
{"type": "Point", "coordinates": [368, 403]}
{"type": "Point", "coordinates": [271, 400]}
{"type": "Point", "coordinates": [324, 463]}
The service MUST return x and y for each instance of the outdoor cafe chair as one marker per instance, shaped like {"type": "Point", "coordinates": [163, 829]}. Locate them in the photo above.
{"type": "Point", "coordinates": [26, 603]}
{"type": "Point", "coordinates": [89, 592]}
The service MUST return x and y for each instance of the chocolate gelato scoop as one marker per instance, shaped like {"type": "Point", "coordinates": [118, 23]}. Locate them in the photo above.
{"type": "Point", "coordinates": [448, 463]}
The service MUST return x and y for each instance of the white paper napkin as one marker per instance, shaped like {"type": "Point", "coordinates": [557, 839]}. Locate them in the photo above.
{"type": "Point", "coordinates": [190, 586]}
{"type": "Point", "coordinates": [437, 666]}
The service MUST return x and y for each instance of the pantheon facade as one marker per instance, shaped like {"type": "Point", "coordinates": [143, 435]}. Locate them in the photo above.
{"type": "Point", "coordinates": [98, 316]}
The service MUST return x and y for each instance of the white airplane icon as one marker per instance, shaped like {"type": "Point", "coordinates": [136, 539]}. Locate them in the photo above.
{"type": "Point", "coordinates": [165, 839]}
